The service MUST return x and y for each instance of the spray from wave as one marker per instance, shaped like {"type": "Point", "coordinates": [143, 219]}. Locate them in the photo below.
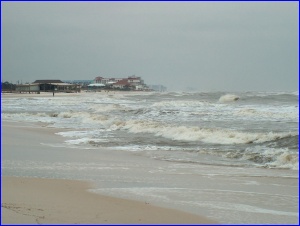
{"type": "Point", "coordinates": [206, 135]}
{"type": "Point", "coordinates": [228, 98]}
{"type": "Point", "coordinates": [267, 157]}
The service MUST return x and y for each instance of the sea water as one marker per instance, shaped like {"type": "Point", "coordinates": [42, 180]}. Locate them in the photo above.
{"type": "Point", "coordinates": [230, 156]}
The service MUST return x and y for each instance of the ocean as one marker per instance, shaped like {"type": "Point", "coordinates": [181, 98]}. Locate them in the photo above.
{"type": "Point", "coordinates": [231, 156]}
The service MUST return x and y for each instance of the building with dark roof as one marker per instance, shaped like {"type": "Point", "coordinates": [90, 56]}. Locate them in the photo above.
{"type": "Point", "coordinates": [48, 86]}
{"type": "Point", "coordinates": [47, 81]}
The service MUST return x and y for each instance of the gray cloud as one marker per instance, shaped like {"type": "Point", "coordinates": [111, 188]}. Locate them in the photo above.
{"type": "Point", "coordinates": [224, 46]}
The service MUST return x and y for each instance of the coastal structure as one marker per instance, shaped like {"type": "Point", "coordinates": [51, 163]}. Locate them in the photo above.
{"type": "Point", "coordinates": [81, 82]}
{"type": "Point", "coordinates": [130, 83]}
{"type": "Point", "coordinates": [122, 84]}
{"type": "Point", "coordinates": [48, 86]}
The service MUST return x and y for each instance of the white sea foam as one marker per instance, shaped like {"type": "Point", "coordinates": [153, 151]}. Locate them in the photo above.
{"type": "Point", "coordinates": [80, 134]}
{"type": "Point", "coordinates": [86, 140]}
{"type": "Point", "coordinates": [180, 104]}
{"type": "Point", "coordinates": [286, 160]}
{"type": "Point", "coordinates": [268, 157]}
{"type": "Point", "coordinates": [173, 132]}
{"type": "Point", "coordinates": [208, 135]}
{"type": "Point", "coordinates": [274, 113]}
{"type": "Point", "coordinates": [228, 98]}
{"type": "Point", "coordinates": [184, 133]}
{"type": "Point", "coordinates": [174, 116]}
{"type": "Point", "coordinates": [193, 132]}
{"type": "Point", "coordinates": [108, 107]}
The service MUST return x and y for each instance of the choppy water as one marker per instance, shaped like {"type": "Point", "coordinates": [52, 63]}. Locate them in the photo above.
{"type": "Point", "coordinates": [231, 156]}
{"type": "Point", "coordinates": [243, 129]}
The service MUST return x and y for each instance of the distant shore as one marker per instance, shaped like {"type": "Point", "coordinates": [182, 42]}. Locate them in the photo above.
{"type": "Point", "coordinates": [50, 94]}
{"type": "Point", "coordinates": [42, 94]}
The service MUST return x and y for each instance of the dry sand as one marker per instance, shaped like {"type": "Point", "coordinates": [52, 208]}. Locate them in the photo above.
{"type": "Point", "coordinates": [57, 201]}
{"type": "Point", "coordinates": [52, 201]}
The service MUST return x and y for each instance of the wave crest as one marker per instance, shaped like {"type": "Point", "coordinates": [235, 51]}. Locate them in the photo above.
{"type": "Point", "coordinates": [206, 135]}
{"type": "Point", "coordinates": [268, 157]}
{"type": "Point", "coordinates": [228, 98]}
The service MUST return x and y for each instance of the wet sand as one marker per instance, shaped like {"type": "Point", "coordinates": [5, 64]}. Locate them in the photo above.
{"type": "Point", "coordinates": [59, 201]}
{"type": "Point", "coordinates": [55, 201]}
{"type": "Point", "coordinates": [230, 195]}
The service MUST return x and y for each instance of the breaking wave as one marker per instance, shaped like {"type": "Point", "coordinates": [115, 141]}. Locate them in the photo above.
{"type": "Point", "coordinates": [239, 132]}
{"type": "Point", "coordinates": [206, 135]}
{"type": "Point", "coordinates": [287, 113]}
{"type": "Point", "coordinates": [180, 104]}
{"type": "Point", "coordinates": [169, 131]}
{"type": "Point", "coordinates": [228, 98]}
{"type": "Point", "coordinates": [268, 157]}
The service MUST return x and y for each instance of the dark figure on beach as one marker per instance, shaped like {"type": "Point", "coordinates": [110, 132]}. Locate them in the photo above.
{"type": "Point", "coordinates": [53, 93]}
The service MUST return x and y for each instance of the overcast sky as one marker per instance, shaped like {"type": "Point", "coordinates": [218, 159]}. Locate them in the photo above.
{"type": "Point", "coordinates": [207, 46]}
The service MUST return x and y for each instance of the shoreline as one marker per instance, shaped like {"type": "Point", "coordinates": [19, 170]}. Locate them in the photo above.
{"type": "Point", "coordinates": [76, 137]}
{"type": "Point", "coordinates": [62, 94]}
{"type": "Point", "coordinates": [53, 201]}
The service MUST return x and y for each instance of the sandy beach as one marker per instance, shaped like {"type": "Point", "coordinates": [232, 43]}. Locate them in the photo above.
{"type": "Point", "coordinates": [71, 159]}
{"type": "Point", "coordinates": [56, 201]}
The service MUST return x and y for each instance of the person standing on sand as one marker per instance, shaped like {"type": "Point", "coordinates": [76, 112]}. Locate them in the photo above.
{"type": "Point", "coordinates": [53, 93]}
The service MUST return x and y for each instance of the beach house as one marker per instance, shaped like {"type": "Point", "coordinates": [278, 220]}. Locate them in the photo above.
{"type": "Point", "coordinates": [131, 83]}
{"type": "Point", "coordinates": [48, 86]}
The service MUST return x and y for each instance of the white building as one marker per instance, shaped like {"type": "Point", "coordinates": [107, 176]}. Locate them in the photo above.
{"type": "Point", "coordinates": [122, 84]}
{"type": "Point", "coordinates": [133, 82]}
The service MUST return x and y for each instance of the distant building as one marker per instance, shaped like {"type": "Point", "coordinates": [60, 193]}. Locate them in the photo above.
{"type": "Point", "coordinates": [133, 80]}
{"type": "Point", "coordinates": [131, 83]}
{"type": "Point", "coordinates": [30, 88]}
{"type": "Point", "coordinates": [95, 86]}
{"type": "Point", "coordinates": [122, 84]}
{"type": "Point", "coordinates": [48, 86]}
{"type": "Point", "coordinates": [101, 80]}
{"type": "Point", "coordinates": [79, 82]}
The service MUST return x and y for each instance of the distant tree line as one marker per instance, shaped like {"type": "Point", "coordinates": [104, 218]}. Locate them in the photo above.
{"type": "Point", "coordinates": [7, 86]}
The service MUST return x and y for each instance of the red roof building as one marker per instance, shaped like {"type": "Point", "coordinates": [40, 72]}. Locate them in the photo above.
{"type": "Point", "coordinates": [133, 82]}
{"type": "Point", "coordinates": [121, 84]}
